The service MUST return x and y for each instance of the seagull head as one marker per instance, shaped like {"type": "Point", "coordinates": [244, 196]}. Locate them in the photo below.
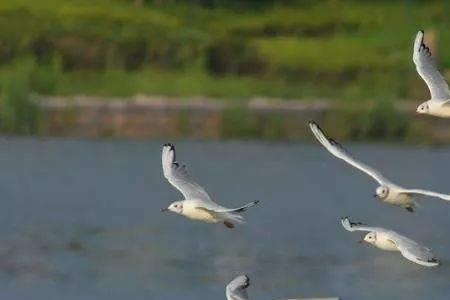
{"type": "Point", "coordinates": [176, 207]}
{"type": "Point", "coordinates": [382, 192]}
{"type": "Point", "coordinates": [423, 108]}
{"type": "Point", "coordinates": [370, 238]}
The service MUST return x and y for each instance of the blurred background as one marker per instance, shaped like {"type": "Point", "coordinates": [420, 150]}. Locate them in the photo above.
{"type": "Point", "coordinates": [251, 69]}
{"type": "Point", "coordinates": [91, 89]}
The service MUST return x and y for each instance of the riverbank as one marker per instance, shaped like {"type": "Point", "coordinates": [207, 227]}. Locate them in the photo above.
{"type": "Point", "coordinates": [259, 118]}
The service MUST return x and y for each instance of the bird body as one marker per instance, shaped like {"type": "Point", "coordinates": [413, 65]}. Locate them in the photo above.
{"type": "Point", "coordinates": [384, 242]}
{"type": "Point", "coordinates": [387, 191]}
{"type": "Point", "coordinates": [396, 196]}
{"type": "Point", "coordinates": [437, 108]}
{"type": "Point", "coordinates": [439, 104]}
{"type": "Point", "coordinates": [390, 240]}
{"type": "Point", "coordinates": [193, 211]}
{"type": "Point", "coordinates": [197, 204]}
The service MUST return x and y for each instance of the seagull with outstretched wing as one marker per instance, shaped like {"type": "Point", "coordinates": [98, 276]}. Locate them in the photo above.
{"type": "Point", "coordinates": [197, 205]}
{"type": "Point", "coordinates": [387, 191]}
{"type": "Point", "coordinates": [439, 104]}
{"type": "Point", "coordinates": [389, 240]}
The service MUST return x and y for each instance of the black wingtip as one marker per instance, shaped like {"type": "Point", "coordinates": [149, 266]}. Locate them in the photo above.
{"type": "Point", "coordinates": [352, 223]}
{"type": "Point", "coordinates": [333, 141]}
{"type": "Point", "coordinates": [410, 209]}
{"type": "Point", "coordinates": [318, 127]}
{"type": "Point", "coordinates": [247, 281]}
{"type": "Point", "coordinates": [256, 202]}
{"type": "Point", "coordinates": [171, 146]}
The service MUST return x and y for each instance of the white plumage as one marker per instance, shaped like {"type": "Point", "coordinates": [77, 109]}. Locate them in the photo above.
{"type": "Point", "coordinates": [387, 191]}
{"type": "Point", "coordinates": [392, 241]}
{"type": "Point", "coordinates": [197, 204]}
{"type": "Point", "coordinates": [237, 288]}
{"type": "Point", "coordinates": [439, 104]}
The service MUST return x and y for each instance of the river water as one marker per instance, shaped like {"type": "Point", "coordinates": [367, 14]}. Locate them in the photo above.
{"type": "Point", "coordinates": [81, 220]}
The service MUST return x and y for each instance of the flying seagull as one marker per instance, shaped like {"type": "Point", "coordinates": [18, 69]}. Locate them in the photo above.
{"type": "Point", "coordinates": [237, 288]}
{"type": "Point", "coordinates": [386, 191]}
{"type": "Point", "coordinates": [439, 104]}
{"type": "Point", "coordinates": [389, 240]}
{"type": "Point", "coordinates": [197, 204]}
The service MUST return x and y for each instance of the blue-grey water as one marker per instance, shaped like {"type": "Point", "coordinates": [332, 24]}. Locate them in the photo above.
{"type": "Point", "coordinates": [82, 220]}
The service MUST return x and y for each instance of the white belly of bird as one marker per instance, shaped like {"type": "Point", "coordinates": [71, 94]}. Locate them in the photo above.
{"type": "Point", "coordinates": [399, 198]}
{"type": "Point", "coordinates": [385, 244]}
{"type": "Point", "coordinates": [439, 110]}
{"type": "Point", "coordinates": [201, 215]}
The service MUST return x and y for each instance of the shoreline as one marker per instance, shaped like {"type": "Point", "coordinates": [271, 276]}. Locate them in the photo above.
{"type": "Point", "coordinates": [145, 117]}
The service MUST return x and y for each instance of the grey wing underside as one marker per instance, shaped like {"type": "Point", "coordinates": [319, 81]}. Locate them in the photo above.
{"type": "Point", "coordinates": [220, 209]}
{"type": "Point", "coordinates": [176, 173]}
{"type": "Point", "coordinates": [427, 69]}
{"type": "Point", "coordinates": [337, 150]}
{"type": "Point", "coordinates": [237, 288]}
{"type": "Point", "coordinates": [413, 251]}
{"type": "Point", "coordinates": [215, 208]}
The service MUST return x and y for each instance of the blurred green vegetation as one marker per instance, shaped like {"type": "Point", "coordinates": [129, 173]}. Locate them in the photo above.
{"type": "Point", "coordinates": [18, 113]}
{"type": "Point", "coordinates": [339, 50]}
{"type": "Point", "coordinates": [351, 50]}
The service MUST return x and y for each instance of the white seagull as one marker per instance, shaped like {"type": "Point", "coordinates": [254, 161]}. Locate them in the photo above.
{"type": "Point", "coordinates": [386, 191]}
{"type": "Point", "coordinates": [389, 240]}
{"type": "Point", "coordinates": [237, 288]}
{"type": "Point", "coordinates": [439, 105]}
{"type": "Point", "coordinates": [197, 204]}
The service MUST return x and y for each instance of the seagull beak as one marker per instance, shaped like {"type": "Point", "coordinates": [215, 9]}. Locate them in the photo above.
{"type": "Point", "coordinates": [361, 241]}
{"type": "Point", "coordinates": [164, 209]}
{"type": "Point", "coordinates": [375, 195]}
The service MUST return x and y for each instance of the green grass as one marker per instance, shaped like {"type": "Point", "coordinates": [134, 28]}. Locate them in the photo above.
{"type": "Point", "coordinates": [173, 83]}
{"type": "Point", "coordinates": [350, 50]}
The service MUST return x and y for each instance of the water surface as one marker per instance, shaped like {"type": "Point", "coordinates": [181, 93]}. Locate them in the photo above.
{"type": "Point", "coordinates": [82, 220]}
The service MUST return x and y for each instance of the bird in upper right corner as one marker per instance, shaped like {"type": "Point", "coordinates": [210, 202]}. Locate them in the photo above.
{"type": "Point", "coordinates": [439, 104]}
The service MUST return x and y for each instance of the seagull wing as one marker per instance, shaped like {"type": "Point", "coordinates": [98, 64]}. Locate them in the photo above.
{"type": "Point", "coordinates": [229, 210]}
{"type": "Point", "coordinates": [178, 176]}
{"type": "Point", "coordinates": [426, 67]}
{"type": "Point", "coordinates": [427, 193]}
{"type": "Point", "coordinates": [356, 226]}
{"type": "Point", "coordinates": [337, 150]}
{"type": "Point", "coordinates": [236, 289]}
{"type": "Point", "coordinates": [413, 251]}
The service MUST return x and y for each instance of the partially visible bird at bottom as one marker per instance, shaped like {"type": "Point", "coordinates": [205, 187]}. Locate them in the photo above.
{"type": "Point", "coordinates": [237, 290]}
